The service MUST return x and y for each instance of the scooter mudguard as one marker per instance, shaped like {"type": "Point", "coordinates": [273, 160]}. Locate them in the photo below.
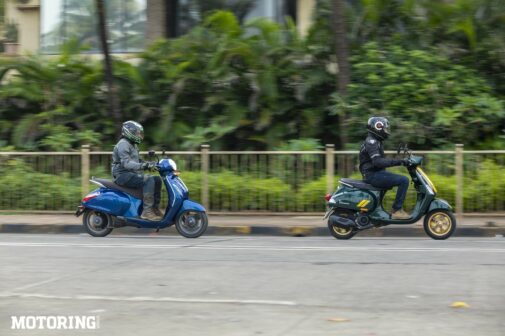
{"type": "Point", "coordinates": [115, 203]}
{"type": "Point", "coordinates": [190, 205]}
{"type": "Point", "coordinates": [439, 203]}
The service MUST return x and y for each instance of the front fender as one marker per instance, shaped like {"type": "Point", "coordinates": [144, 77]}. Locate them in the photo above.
{"type": "Point", "coordinates": [191, 205]}
{"type": "Point", "coordinates": [439, 203]}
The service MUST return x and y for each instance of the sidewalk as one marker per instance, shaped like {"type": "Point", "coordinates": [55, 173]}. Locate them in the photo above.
{"type": "Point", "coordinates": [249, 225]}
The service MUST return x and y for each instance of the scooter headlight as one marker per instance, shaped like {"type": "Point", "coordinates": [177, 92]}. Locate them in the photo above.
{"type": "Point", "coordinates": [173, 164]}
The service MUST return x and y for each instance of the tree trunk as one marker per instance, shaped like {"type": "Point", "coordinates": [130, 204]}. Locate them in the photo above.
{"type": "Point", "coordinates": [344, 70]}
{"type": "Point", "coordinates": [113, 102]}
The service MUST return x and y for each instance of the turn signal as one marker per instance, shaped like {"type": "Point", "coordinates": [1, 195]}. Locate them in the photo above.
{"type": "Point", "coordinates": [327, 197]}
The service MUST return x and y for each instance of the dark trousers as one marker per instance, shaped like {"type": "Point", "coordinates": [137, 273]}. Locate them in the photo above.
{"type": "Point", "coordinates": [386, 180]}
{"type": "Point", "coordinates": [151, 186]}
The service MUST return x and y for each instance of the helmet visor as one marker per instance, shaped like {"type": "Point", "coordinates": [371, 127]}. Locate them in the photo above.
{"type": "Point", "coordinates": [139, 133]}
{"type": "Point", "coordinates": [387, 130]}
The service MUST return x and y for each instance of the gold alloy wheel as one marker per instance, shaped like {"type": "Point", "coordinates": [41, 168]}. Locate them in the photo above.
{"type": "Point", "coordinates": [439, 223]}
{"type": "Point", "coordinates": [341, 231]}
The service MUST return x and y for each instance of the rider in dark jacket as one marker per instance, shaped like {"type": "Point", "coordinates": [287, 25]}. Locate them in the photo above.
{"type": "Point", "coordinates": [128, 169]}
{"type": "Point", "coordinates": [373, 164]}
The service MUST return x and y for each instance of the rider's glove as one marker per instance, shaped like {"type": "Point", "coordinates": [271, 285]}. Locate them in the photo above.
{"type": "Point", "coordinates": [149, 166]}
{"type": "Point", "coordinates": [406, 163]}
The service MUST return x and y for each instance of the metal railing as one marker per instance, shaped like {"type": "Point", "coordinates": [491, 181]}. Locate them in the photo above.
{"type": "Point", "coordinates": [249, 181]}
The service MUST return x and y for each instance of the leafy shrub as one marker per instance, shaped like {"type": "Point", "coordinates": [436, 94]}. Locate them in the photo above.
{"type": "Point", "coordinates": [310, 196]}
{"type": "Point", "coordinates": [23, 188]}
{"type": "Point", "coordinates": [485, 190]}
{"type": "Point", "coordinates": [228, 191]}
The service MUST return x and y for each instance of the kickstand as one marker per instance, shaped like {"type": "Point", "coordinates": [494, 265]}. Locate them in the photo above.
{"type": "Point", "coordinates": [158, 229]}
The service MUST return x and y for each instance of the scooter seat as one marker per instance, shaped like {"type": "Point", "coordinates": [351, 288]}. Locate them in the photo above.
{"type": "Point", "coordinates": [359, 184]}
{"type": "Point", "coordinates": [137, 193]}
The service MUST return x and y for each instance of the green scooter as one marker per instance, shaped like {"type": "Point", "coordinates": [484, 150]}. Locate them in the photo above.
{"type": "Point", "coordinates": [357, 206]}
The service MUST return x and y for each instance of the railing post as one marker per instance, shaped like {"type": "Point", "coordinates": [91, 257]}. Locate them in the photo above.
{"type": "Point", "coordinates": [205, 175]}
{"type": "Point", "coordinates": [459, 181]}
{"type": "Point", "coordinates": [84, 169]}
{"type": "Point", "coordinates": [330, 168]}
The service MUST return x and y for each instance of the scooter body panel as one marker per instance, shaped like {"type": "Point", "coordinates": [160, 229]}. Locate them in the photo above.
{"type": "Point", "coordinates": [354, 199]}
{"type": "Point", "coordinates": [114, 202]}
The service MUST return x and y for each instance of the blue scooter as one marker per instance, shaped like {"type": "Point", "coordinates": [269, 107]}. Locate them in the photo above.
{"type": "Point", "coordinates": [112, 206]}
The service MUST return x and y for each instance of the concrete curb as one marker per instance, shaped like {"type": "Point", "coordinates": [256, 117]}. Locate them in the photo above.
{"type": "Point", "coordinates": [288, 231]}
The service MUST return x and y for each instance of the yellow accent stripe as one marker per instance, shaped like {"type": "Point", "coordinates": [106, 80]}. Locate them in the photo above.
{"type": "Point", "coordinates": [363, 203]}
{"type": "Point", "coordinates": [431, 184]}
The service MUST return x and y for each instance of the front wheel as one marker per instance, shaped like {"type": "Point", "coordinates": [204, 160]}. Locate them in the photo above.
{"type": "Point", "coordinates": [439, 224]}
{"type": "Point", "coordinates": [96, 223]}
{"type": "Point", "coordinates": [192, 224]}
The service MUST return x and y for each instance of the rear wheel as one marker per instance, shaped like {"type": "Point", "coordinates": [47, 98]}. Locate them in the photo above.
{"type": "Point", "coordinates": [341, 232]}
{"type": "Point", "coordinates": [96, 223]}
{"type": "Point", "coordinates": [439, 224]}
{"type": "Point", "coordinates": [192, 224]}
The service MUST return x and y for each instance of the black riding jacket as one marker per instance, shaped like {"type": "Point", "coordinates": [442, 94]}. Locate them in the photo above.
{"type": "Point", "coordinates": [371, 157]}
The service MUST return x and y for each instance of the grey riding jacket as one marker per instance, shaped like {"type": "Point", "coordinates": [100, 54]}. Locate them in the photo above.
{"type": "Point", "coordinates": [125, 158]}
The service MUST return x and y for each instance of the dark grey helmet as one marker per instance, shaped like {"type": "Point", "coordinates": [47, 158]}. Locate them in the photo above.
{"type": "Point", "coordinates": [379, 126]}
{"type": "Point", "coordinates": [133, 131]}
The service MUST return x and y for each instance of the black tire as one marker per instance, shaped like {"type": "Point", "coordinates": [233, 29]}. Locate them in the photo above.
{"type": "Point", "coordinates": [439, 224]}
{"type": "Point", "coordinates": [95, 223]}
{"type": "Point", "coordinates": [192, 224]}
{"type": "Point", "coordinates": [341, 232]}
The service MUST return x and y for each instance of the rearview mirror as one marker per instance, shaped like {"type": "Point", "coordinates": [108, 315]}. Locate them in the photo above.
{"type": "Point", "coordinates": [401, 147]}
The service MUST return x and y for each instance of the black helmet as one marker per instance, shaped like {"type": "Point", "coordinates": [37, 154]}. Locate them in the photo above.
{"type": "Point", "coordinates": [379, 126]}
{"type": "Point", "coordinates": [133, 131]}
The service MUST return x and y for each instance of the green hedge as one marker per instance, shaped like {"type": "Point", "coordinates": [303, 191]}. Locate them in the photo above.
{"type": "Point", "coordinates": [22, 188]}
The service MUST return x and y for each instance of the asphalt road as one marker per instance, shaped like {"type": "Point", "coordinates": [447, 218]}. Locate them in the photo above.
{"type": "Point", "coordinates": [255, 285]}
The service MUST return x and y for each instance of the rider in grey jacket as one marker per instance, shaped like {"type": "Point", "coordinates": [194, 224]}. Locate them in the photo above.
{"type": "Point", "coordinates": [128, 169]}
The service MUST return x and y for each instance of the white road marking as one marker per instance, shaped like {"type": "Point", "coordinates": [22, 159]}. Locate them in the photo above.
{"type": "Point", "coordinates": [145, 299]}
{"type": "Point", "coordinates": [95, 311]}
{"type": "Point", "coordinates": [37, 283]}
{"type": "Point", "coordinates": [260, 247]}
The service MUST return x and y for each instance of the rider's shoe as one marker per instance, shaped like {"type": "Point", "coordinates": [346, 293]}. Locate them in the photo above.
{"type": "Point", "coordinates": [150, 215]}
{"type": "Point", "coordinates": [400, 214]}
{"type": "Point", "coordinates": [158, 212]}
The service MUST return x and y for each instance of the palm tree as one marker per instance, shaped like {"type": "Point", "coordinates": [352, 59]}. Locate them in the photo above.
{"type": "Point", "coordinates": [113, 102]}
{"type": "Point", "coordinates": [342, 54]}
